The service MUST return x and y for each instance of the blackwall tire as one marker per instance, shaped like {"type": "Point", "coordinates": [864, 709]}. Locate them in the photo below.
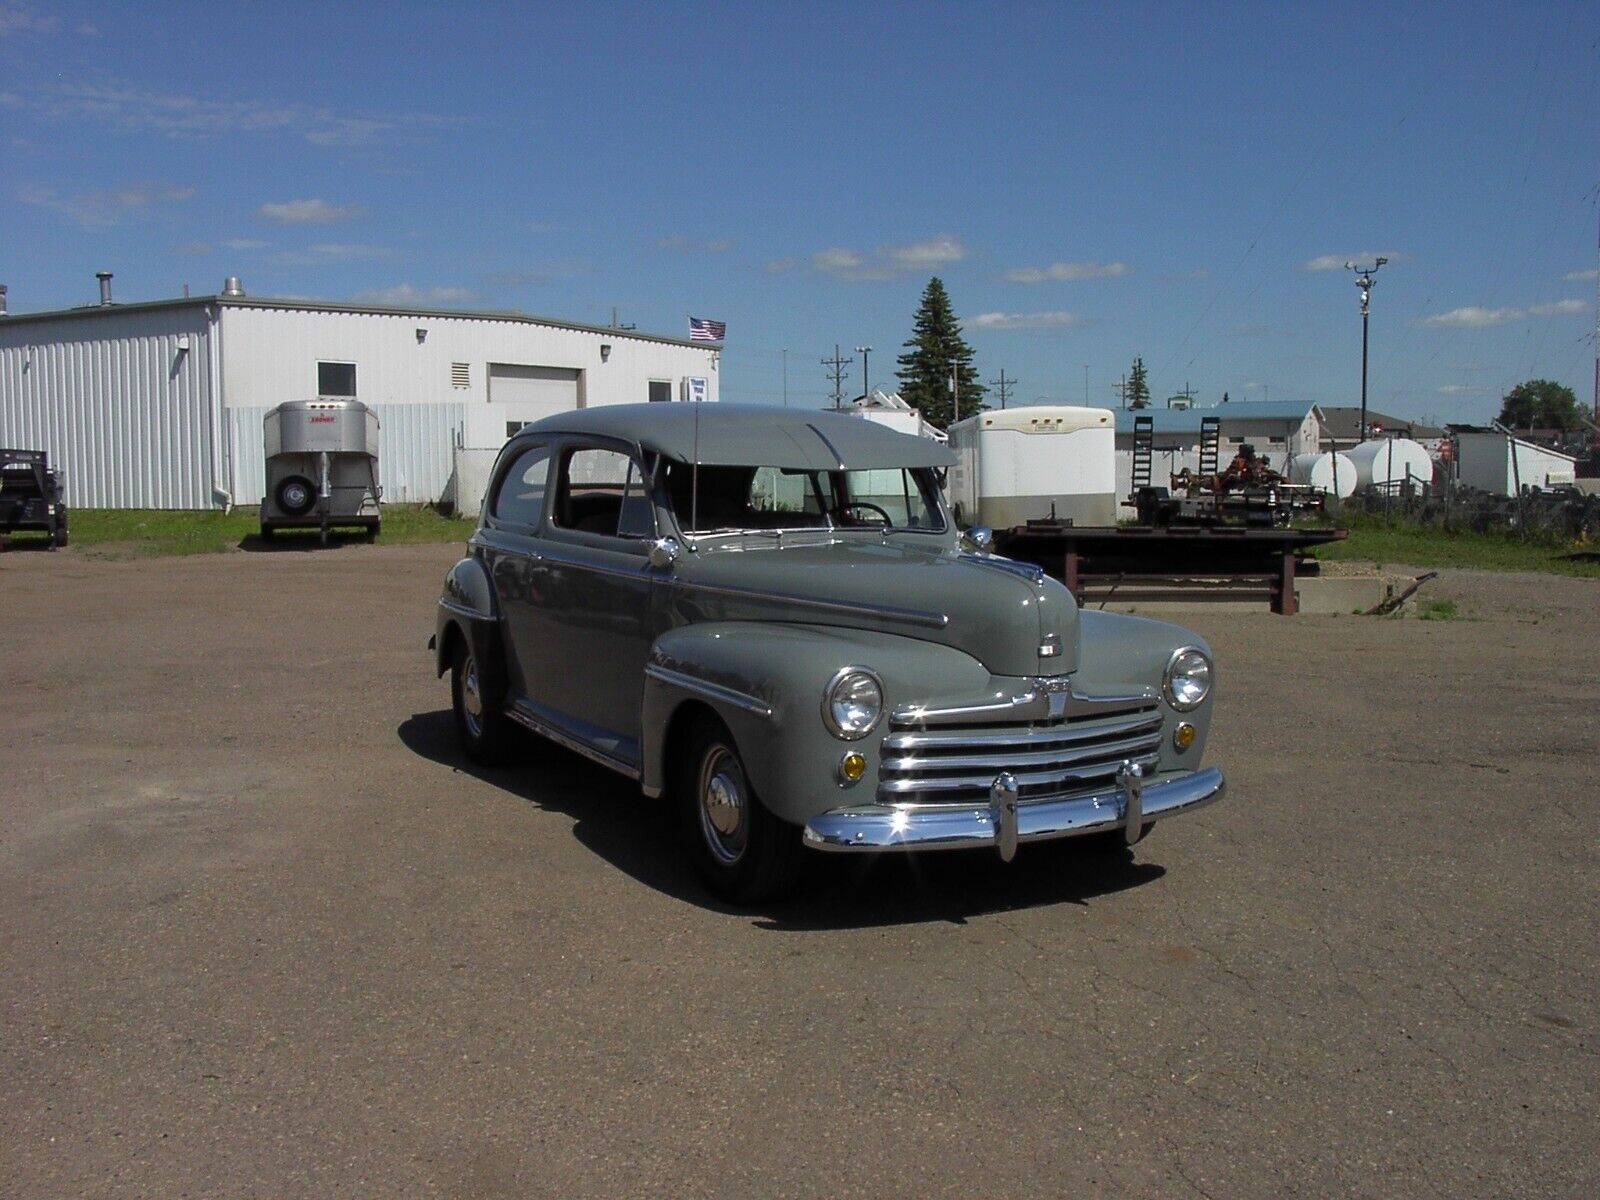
{"type": "Point", "coordinates": [740, 850]}
{"type": "Point", "coordinates": [484, 733]}
{"type": "Point", "coordinates": [295, 495]}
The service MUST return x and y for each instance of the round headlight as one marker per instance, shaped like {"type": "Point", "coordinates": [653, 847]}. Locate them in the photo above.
{"type": "Point", "coordinates": [1188, 679]}
{"type": "Point", "coordinates": [853, 703]}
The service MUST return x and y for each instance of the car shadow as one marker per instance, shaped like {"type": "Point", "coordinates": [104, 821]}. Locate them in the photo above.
{"type": "Point", "coordinates": [637, 836]}
{"type": "Point", "coordinates": [302, 540]}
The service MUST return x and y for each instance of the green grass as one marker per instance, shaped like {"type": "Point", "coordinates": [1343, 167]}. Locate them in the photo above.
{"type": "Point", "coordinates": [1423, 546]}
{"type": "Point", "coordinates": [139, 533]}
{"type": "Point", "coordinates": [1438, 610]}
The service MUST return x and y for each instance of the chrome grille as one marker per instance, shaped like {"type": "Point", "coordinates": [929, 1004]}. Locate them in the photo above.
{"type": "Point", "coordinates": [956, 764]}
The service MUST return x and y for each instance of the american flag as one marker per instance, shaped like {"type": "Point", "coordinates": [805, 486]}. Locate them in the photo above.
{"type": "Point", "coordinates": [702, 330]}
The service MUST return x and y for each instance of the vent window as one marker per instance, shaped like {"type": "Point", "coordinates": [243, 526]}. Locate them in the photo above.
{"type": "Point", "coordinates": [460, 375]}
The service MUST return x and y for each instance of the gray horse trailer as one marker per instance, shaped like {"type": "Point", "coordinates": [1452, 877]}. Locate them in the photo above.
{"type": "Point", "coordinates": [322, 467]}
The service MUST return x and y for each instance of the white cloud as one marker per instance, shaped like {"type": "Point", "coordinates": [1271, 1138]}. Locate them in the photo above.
{"type": "Point", "coordinates": [244, 244]}
{"type": "Point", "coordinates": [1033, 320]}
{"type": "Point", "coordinates": [21, 18]}
{"type": "Point", "coordinates": [107, 206]}
{"type": "Point", "coordinates": [1067, 271]}
{"type": "Point", "coordinates": [1334, 262]}
{"type": "Point", "coordinates": [402, 294]}
{"type": "Point", "coordinates": [1582, 276]}
{"type": "Point", "coordinates": [1476, 316]}
{"type": "Point", "coordinates": [777, 266]}
{"type": "Point", "coordinates": [925, 256]}
{"type": "Point", "coordinates": [308, 212]}
{"type": "Point", "coordinates": [1460, 389]}
{"type": "Point", "coordinates": [886, 262]}
{"type": "Point", "coordinates": [128, 107]}
{"type": "Point", "coordinates": [1561, 308]}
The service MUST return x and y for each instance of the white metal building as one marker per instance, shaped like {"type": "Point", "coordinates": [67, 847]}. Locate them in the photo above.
{"type": "Point", "coordinates": [160, 404]}
{"type": "Point", "coordinates": [1497, 462]}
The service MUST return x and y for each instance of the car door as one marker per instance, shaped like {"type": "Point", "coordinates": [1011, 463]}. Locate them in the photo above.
{"type": "Point", "coordinates": [601, 604]}
{"type": "Point", "coordinates": [508, 540]}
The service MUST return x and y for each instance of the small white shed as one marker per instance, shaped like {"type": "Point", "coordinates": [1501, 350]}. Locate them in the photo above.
{"type": "Point", "coordinates": [1497, 462]}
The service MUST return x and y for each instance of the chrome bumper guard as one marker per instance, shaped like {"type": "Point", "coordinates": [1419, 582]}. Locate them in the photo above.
{"type": "Point", "coordinates": [1006, 821]}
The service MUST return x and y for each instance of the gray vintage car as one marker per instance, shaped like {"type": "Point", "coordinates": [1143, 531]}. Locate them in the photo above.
{"type": "Point", "coordinates": [769, 617]}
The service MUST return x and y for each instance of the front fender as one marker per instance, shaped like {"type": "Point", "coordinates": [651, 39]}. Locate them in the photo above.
{"type": "Point", "coordinates": [766, 682]}
{"type": "Point", "coordinates": [1117, 651]}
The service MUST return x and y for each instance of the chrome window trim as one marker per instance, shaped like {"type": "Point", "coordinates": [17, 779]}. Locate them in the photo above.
{"type": "Point", "coordinates": [712, 691]}
{"type": "Point", "coordinates": [827, 702]}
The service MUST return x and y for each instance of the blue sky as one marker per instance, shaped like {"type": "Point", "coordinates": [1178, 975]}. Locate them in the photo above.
{"type": "Point", "coordinates": [1092, 183]}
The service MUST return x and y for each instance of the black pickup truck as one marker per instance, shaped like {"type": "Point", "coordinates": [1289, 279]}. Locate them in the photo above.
{"type": "Point", "coordinates": [30, 496]}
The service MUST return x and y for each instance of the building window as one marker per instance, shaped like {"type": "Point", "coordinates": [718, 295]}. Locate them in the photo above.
{"type": "Point", "coordinates": [460, 375]}
{"type": "Point", "coordinates": [336, 379]}
{"type": "Point", "coordinates": [660, 390]}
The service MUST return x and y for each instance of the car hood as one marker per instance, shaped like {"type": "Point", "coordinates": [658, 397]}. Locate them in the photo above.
{"type": "Point", "coordinates": [1002, 613]}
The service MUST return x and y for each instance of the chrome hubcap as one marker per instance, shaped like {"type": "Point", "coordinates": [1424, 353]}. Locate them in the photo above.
{"type": "Point", "coordinates": [723, 804]}
{"type": "Point", "coordinates": [296, 496]}
{"type": "Point", "coordinates": [471, 698]}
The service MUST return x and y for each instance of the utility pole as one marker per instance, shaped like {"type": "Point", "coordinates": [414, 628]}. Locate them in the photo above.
{"type": "Point", "coordinates": [866, 379]}
{"type": "Point", "coordinates": [1121, 389]}
{"type": "Point", "coordinates": [1086, 385]}
{"type": "Point", "coordinates": [786, 377]}
{"type": "Point", "coordinates": [838, 364]}
{"type": "Point", "coordinates": [1005, 385]}
{"type": "Point", "coordinates": [1364, 282]}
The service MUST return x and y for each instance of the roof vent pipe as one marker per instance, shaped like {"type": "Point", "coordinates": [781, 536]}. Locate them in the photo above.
{"type": "Point", "coordinates": [105, 288]}
{"type": "Point", "coordinates": [231, 286]}
{"type": "Point", "coordinates": [3, 290]}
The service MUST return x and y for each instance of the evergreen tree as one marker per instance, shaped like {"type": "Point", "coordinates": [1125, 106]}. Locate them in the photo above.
{"type": "Point", "coordinates": [1138, 386]}
{"type": "Point", "coordinates": [934, 349]}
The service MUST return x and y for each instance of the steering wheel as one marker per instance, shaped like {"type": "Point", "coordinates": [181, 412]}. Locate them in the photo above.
{"type": "Point", "coordinates": [867, 504]}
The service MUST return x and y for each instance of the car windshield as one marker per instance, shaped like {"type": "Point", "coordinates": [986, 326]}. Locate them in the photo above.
{"type": "Point", "coordinates": [726, 499]}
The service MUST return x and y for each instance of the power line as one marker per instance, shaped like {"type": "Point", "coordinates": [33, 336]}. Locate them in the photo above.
{"type": "Point", "coordinates": [838, 364]}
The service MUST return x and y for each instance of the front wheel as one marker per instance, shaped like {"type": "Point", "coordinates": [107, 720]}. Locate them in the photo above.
{"type": "Point", "coordinates": [483, 731]}
{"type": "Point", "coordinates": [739, 849]}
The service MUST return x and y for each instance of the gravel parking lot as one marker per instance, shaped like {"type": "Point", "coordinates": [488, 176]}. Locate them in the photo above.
{"type": "Point", "coordinates": [264, 933]}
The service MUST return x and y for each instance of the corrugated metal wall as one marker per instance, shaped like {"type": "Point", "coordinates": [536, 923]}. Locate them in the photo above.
{"type": "Point", "coordinates": [416, 444]}
{"type": "Point", "coordinates": [117, 403]}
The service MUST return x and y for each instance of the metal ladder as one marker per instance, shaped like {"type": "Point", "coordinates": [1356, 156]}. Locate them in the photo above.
{"type": "Point", "coordinates": [1210, 440]}
{"type": "Point", "coordinates": [1144, 445]}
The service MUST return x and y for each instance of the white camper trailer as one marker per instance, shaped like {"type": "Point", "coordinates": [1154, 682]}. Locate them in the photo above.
{"type": "Point", "coordinates": [1017, 465]}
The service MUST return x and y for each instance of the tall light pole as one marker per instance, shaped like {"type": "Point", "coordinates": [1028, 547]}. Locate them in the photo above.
{"type": "Point", "coordinates": [1086, 385]}
{"type": "Point", "coordinates": [786, 377]}
{"type": "Point", "coordinates": [1364, 282]}
{"type": "Point", "coordinates": [866, 378]}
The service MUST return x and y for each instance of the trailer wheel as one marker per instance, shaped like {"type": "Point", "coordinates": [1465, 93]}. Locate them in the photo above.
{"type": "Point", "coordinates": [296, 494]}
{"type": "Point", "coordinates": [483, 731]}
{"type": "Point", "coordinates": [58, 539]}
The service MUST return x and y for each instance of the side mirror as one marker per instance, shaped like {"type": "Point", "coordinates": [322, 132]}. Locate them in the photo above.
{"type": "Point", "coordinates": [664, 552]}
{"type": "Point", "coordinates": [980, 538]}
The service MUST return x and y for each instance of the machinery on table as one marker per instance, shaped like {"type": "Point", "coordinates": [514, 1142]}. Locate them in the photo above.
{"type": "Point", "coordinates": [31, 496]}
{"type": "Point", "coordinates": [1246, 492]}
{"type": "Point", "coordinates": [322, 467]}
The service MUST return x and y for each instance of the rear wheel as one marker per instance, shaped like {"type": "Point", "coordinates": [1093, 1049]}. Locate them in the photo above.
{"type": "Point", "coordinates": [739, 849]}
{"type": "Point", "coordinates": [482, 729]}
{"type": "Point", "coordinates": [58, 539]}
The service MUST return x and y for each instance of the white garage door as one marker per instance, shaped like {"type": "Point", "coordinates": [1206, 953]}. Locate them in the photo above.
{"type": "Point", "coordinates": [528, 393]}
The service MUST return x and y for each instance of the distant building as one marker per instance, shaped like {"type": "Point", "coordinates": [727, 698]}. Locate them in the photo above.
{"type": "Point", "coordinates": [160, 404]}
{"type": "Point", "coordinates": [1341, 428]}
{"type": "Point", "coordinates": [1498, 462]}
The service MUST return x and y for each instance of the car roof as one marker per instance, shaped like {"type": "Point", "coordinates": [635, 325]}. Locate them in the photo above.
{"type": "Point", "coordinates": [732, 435]}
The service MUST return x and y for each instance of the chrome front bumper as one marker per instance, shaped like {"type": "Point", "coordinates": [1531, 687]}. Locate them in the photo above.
{"type": "Point", "coordinates": [1005, 821]}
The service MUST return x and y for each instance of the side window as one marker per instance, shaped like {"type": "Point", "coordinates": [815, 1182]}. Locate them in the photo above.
{"type": "Point", "coordinates": [520, 498]}
{"type": "Point", "coordinates": [602, 491]}
{"type": "Point", "coordinates": [773, 490]}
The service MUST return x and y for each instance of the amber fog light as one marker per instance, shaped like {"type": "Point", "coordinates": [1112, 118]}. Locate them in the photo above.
{"type": "Point", "coordinates": [852, 767]}
{"type": "Point", "coordinates": [1183, 735]}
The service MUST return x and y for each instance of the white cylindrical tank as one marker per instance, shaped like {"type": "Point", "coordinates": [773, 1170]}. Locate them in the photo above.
{"type": "Point", "coordinates": [1388, 463]}
{"type": "Point", "coordinates": [1317, 470]}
